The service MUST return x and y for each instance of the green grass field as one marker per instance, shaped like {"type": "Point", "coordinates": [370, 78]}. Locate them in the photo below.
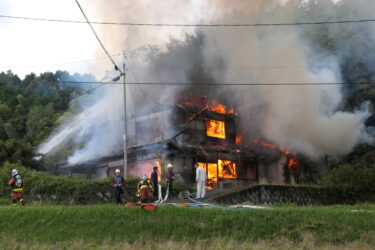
{"type": "Point", "coordinates": [109, 226]}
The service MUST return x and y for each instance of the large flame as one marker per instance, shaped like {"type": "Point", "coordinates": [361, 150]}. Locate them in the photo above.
{"type": "Point", "coordinates": [292, 158]}
{"type": "Point", "coordinates": [215, 129]}
{"type": "Point", "coordinates": [222, 169]}
{"type": "Point", "coordinates": [220, 108]}
{"type": "Point", "coordinates": [227, 169]}
{"type": "Point", "coordinates": [211, 171]}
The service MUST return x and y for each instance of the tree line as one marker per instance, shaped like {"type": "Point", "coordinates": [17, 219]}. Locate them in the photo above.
{"type": "Point", "coordinates": [30, 109]}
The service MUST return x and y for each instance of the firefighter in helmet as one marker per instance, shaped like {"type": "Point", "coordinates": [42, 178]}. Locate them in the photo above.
{"type": "Point", "coordinates": [145, 190]}
{"type": "Point", "coordinates": [16, 182]}
{"type": "Point", "coordinates": [118, 183]}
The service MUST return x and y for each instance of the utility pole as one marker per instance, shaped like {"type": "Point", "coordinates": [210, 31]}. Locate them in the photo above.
{"type": "Point", "coordinates": [125, 122]}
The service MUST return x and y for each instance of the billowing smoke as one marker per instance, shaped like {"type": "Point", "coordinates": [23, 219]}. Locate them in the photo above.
{"type": "Point", "coordinates": [306, 119]}
{"type": "Point", "coordinates": [98, 127]}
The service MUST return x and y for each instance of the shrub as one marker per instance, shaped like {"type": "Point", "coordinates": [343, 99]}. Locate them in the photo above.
{"type": "Point", "coordinates": [43, 187]}
{"type": "Point", "coordinates": [352, 182]}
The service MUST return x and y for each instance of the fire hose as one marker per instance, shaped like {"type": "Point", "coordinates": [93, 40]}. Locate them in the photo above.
{"type": "Point", "coordinates": [207, 205]}
{"type": "Point", "coordinates": [160, 195]}
{"type": "Point", "coordinates": [186, 194]}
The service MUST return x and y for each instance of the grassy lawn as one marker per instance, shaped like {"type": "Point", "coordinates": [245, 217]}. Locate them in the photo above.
{"type": "Point", "coordinates": [101, 226]}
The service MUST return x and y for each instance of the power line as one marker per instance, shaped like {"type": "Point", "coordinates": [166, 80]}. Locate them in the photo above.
{"type": "Point", "coordinates": [62, 63]}
{"type": "Point", "coordinates": [222, 84]}
{"type": "Point", "coordinates": [146, 97]}
{"type": "Point", "coordinates": [97, 37]}
{"type": "Point", "coordinates": [189, 25]}
{"type": "Point", "coordinates": [160, 68]}
{"type": "Point", "coordinates": [230, 68]}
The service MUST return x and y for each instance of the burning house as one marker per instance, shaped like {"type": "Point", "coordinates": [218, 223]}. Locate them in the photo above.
{"type": "Point", "coordinates": [194, 130]}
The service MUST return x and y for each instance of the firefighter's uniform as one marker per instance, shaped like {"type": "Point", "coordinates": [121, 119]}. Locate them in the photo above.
{"type": "Point", "coordinates": [17, 184]}
{"type": "Point", "coordinates": [145, 190]}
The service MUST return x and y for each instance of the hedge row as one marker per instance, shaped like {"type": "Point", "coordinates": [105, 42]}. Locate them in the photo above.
{"type": "Point", "coordinates": [43, 187]}
{"type": "Point", "coordinates": [352, 183]}
{"type": "Point", "coordinates": [297, 194]}
{"type": "Point", "coordinates": [347, 184]}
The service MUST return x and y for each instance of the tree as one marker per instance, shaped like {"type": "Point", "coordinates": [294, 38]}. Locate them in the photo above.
{"type": "Point", "coordinates": [29, 110]}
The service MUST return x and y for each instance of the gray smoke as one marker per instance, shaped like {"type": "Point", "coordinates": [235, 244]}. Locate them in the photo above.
{"type": "Point", "coordinates": [305, 119]}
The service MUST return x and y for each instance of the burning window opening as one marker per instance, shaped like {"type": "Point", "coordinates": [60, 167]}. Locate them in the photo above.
{"type": "Point", "coordinates": [227, 169]}
{"type": "Point", "coordinates": [211, 172]}
{"type": "Point", "coordinates": [215, 128]}
{"type": "Point", "coordinates": [221, 169]}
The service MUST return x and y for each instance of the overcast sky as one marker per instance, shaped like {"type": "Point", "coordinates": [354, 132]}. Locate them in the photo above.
{"type": "Point", "coordinates": [36, 46]}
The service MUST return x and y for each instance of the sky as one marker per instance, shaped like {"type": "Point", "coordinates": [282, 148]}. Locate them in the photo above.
{"type": "Point", "coordinates": [36, 46]}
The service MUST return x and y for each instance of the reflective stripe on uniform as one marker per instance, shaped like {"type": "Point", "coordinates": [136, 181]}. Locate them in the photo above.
{"type": "Point", "coordinates": [144, 186]}
{"type": "Point", "coordinates": [17, 189]}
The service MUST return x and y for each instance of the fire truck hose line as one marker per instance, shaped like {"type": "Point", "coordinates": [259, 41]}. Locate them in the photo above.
{"type": "Point", "coordinates": [198, 204]}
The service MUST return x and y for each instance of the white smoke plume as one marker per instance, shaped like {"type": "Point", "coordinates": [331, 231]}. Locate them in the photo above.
{"type": "Point", "coordinates": [305, 119]}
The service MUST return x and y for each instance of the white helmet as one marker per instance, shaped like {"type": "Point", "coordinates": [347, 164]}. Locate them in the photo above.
{"type": "Point", "coordinates": [14, 171]}
{"type": "Point", "coordinates": [144, 178]}
{"type": "Point", "coordinates": [169, 166]}
{"type": "Point", "coordinates": [117, 171]}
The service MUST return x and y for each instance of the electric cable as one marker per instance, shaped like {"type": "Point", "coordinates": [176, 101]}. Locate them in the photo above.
{"type": "Point", "coordinates": [97, 37]}
{"type": "Point", "coordinates": [202, 84]}
{"type": "Point", "coordinates": [190, 25]}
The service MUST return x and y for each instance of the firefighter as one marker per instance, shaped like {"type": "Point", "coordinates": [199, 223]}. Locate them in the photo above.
{"type": "Point", "coordinates": [170, 178]}
{"type": "Point", "coordinates": [201, 181]}
{"type": "Point", "coordinates": [145, 190]}
{"type": "Point", "coordinates": [155, 182]}
{"type": "Point", "coordinates": [119, 184]}
{"type": "Point", "coordinates": [17, 184]}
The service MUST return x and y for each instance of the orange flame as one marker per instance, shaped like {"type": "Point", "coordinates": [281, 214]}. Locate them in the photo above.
{"type": "Point", "coordinates": [160, 170]}
{"type": "Point", "coordinates": [227, 169]}
{"type": "Point", "coordinates": [215, 129]}
{"type": "Point", "coordinates": [211, 171]}
{"type": "Point", "coordinates": [239, 139]}
{"type": "Point", "coordinates": [264, 144]}
{"type": "Point", "coordinates": [292, 162]}
{"type": "Point", "coordinates": [220, 108]}
{"type": "Point", "coordinates": [222, 169]}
